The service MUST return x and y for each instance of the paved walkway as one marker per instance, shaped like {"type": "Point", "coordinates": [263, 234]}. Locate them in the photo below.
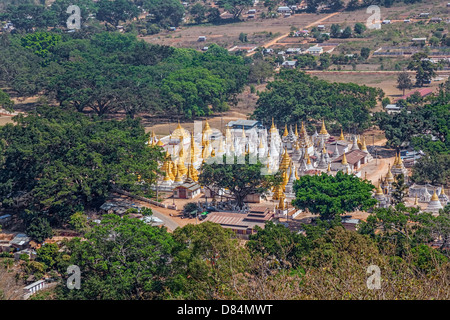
{"type": "Point", "coordinates": [168, 222]}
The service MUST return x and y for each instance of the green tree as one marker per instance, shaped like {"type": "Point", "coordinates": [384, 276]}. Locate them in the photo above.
{"type": "Point", "coordinates": [116, 11]}
{"type": "Point", "coordinates": [325, 61]}
{"type": "Point", "coordinates": [39, 229]}
{"type": "Point", "coordinates": [260, 70]}
{"type": "Point", "coordinates": [5, 102]}
{"type": "Point", "coordinates": [121, 258]}
{"type": "Point", "coordinates": [167, 13]}
{"type": "Point", "coordinates": [240, 179]}
{"type": "Point", "coordinates": [432, 169]}
{"type": "Point", "coordinates": [243, 37]}
{"type": "Point", "coordinates": [198, 12]}
{"type": "Point", "coordinates": [213, 15]}
{"type": "Point", "coordinates": [424, 68]}
{"type": "Point", "coordinates": [330, 196]}
{"type": "Point", "coordinates": [335, 30]}
{"type": "Point", "coordinates": [27, 16]}
{"type": "Point", "coordinates": [404, 81]}
{"type": "Point", "coordinates": [68, 161]}
{"type": "Point", "coordinates": [306, 61]}
{"type": "Point", "coordinates": [40, 42]}
{"type": "Point", "coordinates": [206, 269]}
{"type": "Point", "coordinates": [400, 189]}
{"type": "Point", "coordinates": [235, 7]}
{"type": "Point", "coordinates": [275, 240]}
{"type": "Point", "coordinates": [365, 53]}
{"type": "Point", "coordinates": [347, 33]}
{"type": "Point", "coordinates": [79, 222]}
{"type": "Point", "coordinates": [294, 96]}
{"type": "Point", "coordinates": [359, 28]}
{"type": "Point", "coordinates": [47, 254]}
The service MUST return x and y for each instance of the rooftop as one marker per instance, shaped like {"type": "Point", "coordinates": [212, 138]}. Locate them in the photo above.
{"type": "Point", "coordinates": [352, 156]}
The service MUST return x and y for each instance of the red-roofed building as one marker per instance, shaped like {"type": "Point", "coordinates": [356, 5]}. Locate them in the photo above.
{"type": "Point", "coordinates": [423, 93]}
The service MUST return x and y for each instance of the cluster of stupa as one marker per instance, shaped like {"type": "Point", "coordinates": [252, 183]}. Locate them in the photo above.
{"type": "Point", "coordinates": [435, 201]}
{"type": "Point", "coordinates": [294, 153]}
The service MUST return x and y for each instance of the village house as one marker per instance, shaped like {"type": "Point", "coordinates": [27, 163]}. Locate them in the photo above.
{"type": "Point", "coordinates": [289, 64]}
{"type": "Point", "coordinates": [392, 108]}
{"type": "Point", "coordinates": [21, 241]}
{"type": "Point", "coordinates": [293, 51]}
{"type": "Point", "coordinates": [315, 50]}
{"type": "Point", "coordinates": [284, 10]}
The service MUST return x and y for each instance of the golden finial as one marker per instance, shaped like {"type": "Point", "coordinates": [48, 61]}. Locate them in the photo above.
{"type": "Point", "coordinates": [329, 168]}
{"type": "Point", "coordinates": [296, 130]}
{"type": "Point", "coordinates": [363, 146]}
{"type": "Point", "coordinates": [160, 143]}
{"type": "Point", "coordinates": [323, 130]}
{"type": "Point", "coordinates": [435, 196]}
{"type": "Point", "coordinates": [308, 159]}
{"type": "Point", "coordinates": [344, 160]}
{"type": "Point", "coordinates": [178, 177]}
{"type": "Point", "coordinates": [285, 131]}
{"type": "Point", "coordinates": [281, 204]}
{"type": "Point", "coordinates": [341, 136]}
{"type": "Point", "coordinates": [379, 190]}
{"type": "Point", "coordinates": [389, 176]}
{"type": "Point", "coordinates": [206, 128]}
{"type": "Point", "coordinates": [395, 160]}
{"type": "Point", "coordinates": [273, 128]}
{"type": "Point", "coordinates": [260, 144]}
{"type": "Point", "coordinates": [400, 161]}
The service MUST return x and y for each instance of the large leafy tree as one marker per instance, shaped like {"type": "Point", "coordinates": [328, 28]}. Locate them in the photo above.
{"type": "Point", "coordinates": [5, 101]}
{"type": "Point", "coordinates": [277, 241]}
{"type": "Point", "coordinates": [240, 179]}
{"type": "Point", "coordinates": [404, 81]}
{"type": "Point", "coordinates": [418, 125]}
{"type": "Point", "coordinates": [64, 161]}
{"type": "Point", "coordinates": [40, 42]}
{"type": "Point", "coordinates": [433, 169]}
{"type": "Point", "coordinates": [235, 7]}
{"type": "Point", "coordinates": [424, 68]}
{"type": "Point", "coordinates": [20, 68]}
{"type": "Point", "coordinates": [167, 13]}
{"type": "Point", "coordinates": [115, 11]}
{"type": "Point", "coordinates": [329, 196]}
{"type": "Point", "coordinates": [295, 96]}
{"type": "Point", "coordinates": [206, 269]}
{"type": "Point", "coordinates": [121, 259]}
{"type": "Point", "coordinates": [28, 16]}
{"type": "Point", "coordinates": [193, 90]}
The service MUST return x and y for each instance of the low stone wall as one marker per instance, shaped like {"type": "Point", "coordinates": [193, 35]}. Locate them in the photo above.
{"type": "Point", "coordinates": [153, 202]}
